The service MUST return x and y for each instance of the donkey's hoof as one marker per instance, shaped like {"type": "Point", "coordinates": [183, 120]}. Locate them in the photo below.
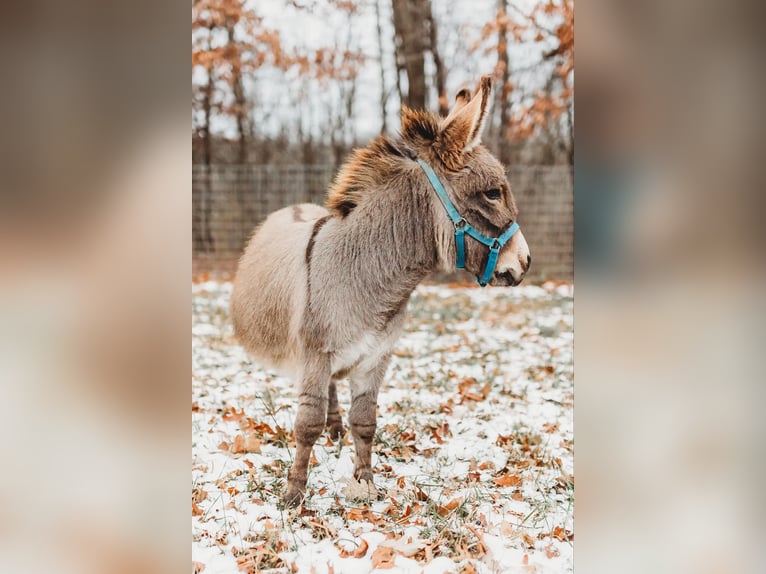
{"type": "Point", "coordinates": [336, 430]}
{"type": "Point", "coordinates": [293, 497]}
{"type": "Point", "coordinates": [363, 475]}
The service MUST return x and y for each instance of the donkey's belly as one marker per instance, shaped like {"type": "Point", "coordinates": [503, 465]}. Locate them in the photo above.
{"type": "Point", "coordinates": [366, 352]}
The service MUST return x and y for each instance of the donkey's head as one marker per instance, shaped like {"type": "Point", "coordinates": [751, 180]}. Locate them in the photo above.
{"type": "Point", "coordinates": [475, 182]}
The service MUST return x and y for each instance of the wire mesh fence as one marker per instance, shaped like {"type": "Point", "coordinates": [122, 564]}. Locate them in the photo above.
{"type": "Point", "coordinates": [228, 201]}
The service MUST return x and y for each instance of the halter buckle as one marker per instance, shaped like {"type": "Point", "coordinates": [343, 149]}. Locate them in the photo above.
{"type": "Point", "coordinates": [460, 223]}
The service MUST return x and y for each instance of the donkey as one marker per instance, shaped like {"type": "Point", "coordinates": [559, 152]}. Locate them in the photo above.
{"type": "Point", "coordinates": [321, 293]}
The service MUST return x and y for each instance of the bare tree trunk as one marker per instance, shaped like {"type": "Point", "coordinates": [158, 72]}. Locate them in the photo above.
{"type": "Point", "coordinates": [240, 104]}
{"type": "Point", "coordinates": [383, 91]}
{"type": "Point", "coordinates": [202, 235]}
{"type": "Point", "coordinates": [409, 24]}
{"type": "Point", "coordinates": [441, 72]}
{"type": "Point", "coordinates": [505, 89]}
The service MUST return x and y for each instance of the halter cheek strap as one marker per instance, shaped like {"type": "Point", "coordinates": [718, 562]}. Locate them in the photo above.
{"type": "Point", "coordinates": [463, 228]}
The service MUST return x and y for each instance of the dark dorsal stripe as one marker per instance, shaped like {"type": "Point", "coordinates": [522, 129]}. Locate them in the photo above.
{"type": "Point", "coordinates": [309, 250]}
{"type": "Point", "coordinates": [310, 247]}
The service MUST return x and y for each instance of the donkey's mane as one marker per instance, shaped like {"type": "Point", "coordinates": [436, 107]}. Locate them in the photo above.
{"type": "Point", "coordinates": [367, 167]}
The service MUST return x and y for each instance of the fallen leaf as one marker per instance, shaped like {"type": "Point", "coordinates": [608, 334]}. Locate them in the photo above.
{"type": "Point", "coordinates": [445, 509]}
{"type": "Point", "coordinates": [231, 414]}
{"type": "Point", "coordinates": [364, 514]}
{"type": "Point", "coordinates": [242, 445]}
{"type": "Point", "coordinates": [197, 567]}
{"type": "Point", "coordinates": [507, 480]}
{"type": "Point", "coordinates": [383, 557]}
{"type": "Point", "coordinates": [530, 542]}
{"type": "Point", "coordinates": [358, 489]}
{"type": "Point", "coordinates": [563, 535]}
{"type": "Point", "coordinates": [357, 552]}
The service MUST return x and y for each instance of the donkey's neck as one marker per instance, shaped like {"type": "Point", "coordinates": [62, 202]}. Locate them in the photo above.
{"type": "Point", "coordinates": [388, 245]}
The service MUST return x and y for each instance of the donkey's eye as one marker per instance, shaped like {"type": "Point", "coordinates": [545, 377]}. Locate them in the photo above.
{"type": "Point", "coordinates": [493, 194]}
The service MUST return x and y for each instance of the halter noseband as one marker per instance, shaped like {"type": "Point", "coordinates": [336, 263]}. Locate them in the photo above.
{"type": "Point", "coordinates": [462, 227]}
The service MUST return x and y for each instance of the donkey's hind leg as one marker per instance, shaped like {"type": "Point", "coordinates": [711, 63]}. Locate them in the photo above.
{"type": "Point", "coordinates": [334, 420]}
{"type": "Point", "coordinates": [361, 417]}
{"type": "Point", "coordinates": [309, 423]}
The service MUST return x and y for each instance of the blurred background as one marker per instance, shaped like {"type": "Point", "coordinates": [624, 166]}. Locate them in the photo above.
{"type": "Point", "coordinates": [95, 257]}
{"type": "Point", "coordinates": [283, 90]}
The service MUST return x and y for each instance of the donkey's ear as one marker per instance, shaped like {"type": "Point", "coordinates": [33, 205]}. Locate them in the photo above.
{"type": "Point", "coordinates": [461, 99]}
{"type": "Point", "coordinates": [461, 129]}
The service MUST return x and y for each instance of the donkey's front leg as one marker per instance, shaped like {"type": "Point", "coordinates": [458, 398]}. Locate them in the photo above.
{"type": "Point", "coordinates": [361, 417]}
{"type": "Point", "coordinates": [309, 423]}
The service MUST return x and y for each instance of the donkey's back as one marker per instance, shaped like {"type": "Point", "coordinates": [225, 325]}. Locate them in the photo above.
{"type": "Point", "coordinates": [269, 292]}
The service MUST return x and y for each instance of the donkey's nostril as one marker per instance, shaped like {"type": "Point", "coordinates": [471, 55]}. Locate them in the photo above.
{"type": "Point", "coordinates": [529, 262]}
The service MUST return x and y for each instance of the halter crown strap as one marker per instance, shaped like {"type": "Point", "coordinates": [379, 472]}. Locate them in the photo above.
{"type": "Point", "coordinates": [463, 228]}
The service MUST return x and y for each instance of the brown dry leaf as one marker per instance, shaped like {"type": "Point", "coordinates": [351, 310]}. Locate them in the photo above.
{"type": "Point", "coordinates": [528, 540]}
{"type": "Point", "coordinates": [249, 424]}
{"type": "Point", "coordinates": [231, 414]}
{"type": "Point", "coordinates": [197, 567]}
{"type": "Point", "coordinates": [198, 495]}
{"type": "Point", "coordinates": [550, 551]}
{"type": "Point", "coordinates": [242, 445]}
{"type": "Point", "coordinates": [560, 534]}
{"type": "Point", "coordinates": [504, 439]}
{"type": "Point", "coordinates": [507, 480]}
{"type": "Point", "coordinates": [481, 548]}
{"type": "Point", "coordinates": [364, 514]}
{"type": "Point", "coordinates": [361, 549]}
{"type": "Point", "coordinates": [383, 557]}
{"type": "Point", "coordinates": [517, 496]}
{"type": "Point", "coordinates": [420, 495]}
{"type": "Point", "coordinates": [358, 514]}
{"type": "Point", "coordinates": [358, 489]}
{"type": "Point", "coordinates": [357, 552]}
{"type": "Point", "coordinates": [550, 427]}
{"type": "Point", "coordinates": [445, 509]}
{"type": "Point", "coordinates": [468, 569]}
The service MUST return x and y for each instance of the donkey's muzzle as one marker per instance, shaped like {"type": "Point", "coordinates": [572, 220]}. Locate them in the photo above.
{"type": "Point", "coordinates": [514, 262]}
{"type": "Point", "coordinates": [505, 279]}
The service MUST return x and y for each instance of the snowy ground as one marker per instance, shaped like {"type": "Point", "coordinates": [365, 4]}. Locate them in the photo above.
{"type": "Point", "coordinates": [474, 450]}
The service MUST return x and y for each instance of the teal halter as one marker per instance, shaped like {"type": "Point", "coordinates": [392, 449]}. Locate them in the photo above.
{"type": "Point", "coordinates": [462, 227]}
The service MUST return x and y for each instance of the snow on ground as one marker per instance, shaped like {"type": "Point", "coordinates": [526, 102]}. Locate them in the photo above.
{"type": "Point", "coordinates": [473, 456]}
